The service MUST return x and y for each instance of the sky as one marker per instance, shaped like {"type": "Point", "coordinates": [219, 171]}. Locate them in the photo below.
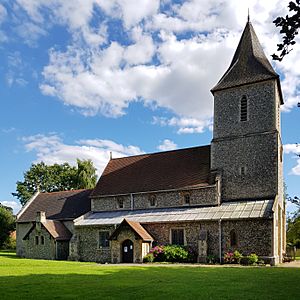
{"type": "Point", "coordinates": [83, 78]}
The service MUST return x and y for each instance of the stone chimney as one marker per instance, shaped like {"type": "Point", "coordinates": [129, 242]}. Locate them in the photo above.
{"type": "Point", "coordinates": [40, 217]}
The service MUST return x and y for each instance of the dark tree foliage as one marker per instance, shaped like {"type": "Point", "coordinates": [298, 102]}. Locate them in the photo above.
{"type": "Point", "coordinates": [293, 224]}
{"type": "Point", "coordinates": [57, 177]}
{"type": "Point", "coordinates": [289, 28]}
{"type": "Point", "coordinates": [7, 224]}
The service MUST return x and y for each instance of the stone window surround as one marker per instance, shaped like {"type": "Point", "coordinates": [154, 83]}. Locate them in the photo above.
{"type": "Point", "coordinates": [184, 235]}
{"type": "Point", "coordinates": [185, 194]}
{"type": "Point", "coordinates": [242, 170]}
{"type": "Point", "coordinates": [120, 203]}
{"type": "Point", "coordinates": [152, 200]}
{"type": "Point", "coordinates": [99, 247]}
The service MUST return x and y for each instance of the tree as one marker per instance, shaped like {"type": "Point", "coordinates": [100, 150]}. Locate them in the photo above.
{"type": "Point", "coordinates": [293, 222]}
{"type": "Point", "coordinates": [7, 224]}
{"type": "Point", "coordinates": [86, 174]}
{"type": "Point", "coordinates": [57, 177]}
{"type": "Point", "coordinates": [289, 28]}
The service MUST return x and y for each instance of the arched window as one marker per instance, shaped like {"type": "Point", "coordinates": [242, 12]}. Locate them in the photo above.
{"type": "Point", "coordinates": [120, 202]}
{"type": "Point", "coordinates": [187, 198]}
{"type": "Point", "coordinates": [152, 200]}
{"type": "Point", "coordinates": [244, 109]}
{"type": "Point", "coordinates": [233, 238]}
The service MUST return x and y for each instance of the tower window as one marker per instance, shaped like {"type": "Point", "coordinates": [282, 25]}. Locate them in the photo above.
{"type": "Point", "coordinates": [243, 170]}
{"type": "Point", "coordinates": [244, 109]}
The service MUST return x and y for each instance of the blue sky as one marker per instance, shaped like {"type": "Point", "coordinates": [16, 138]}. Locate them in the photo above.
{"type": "Point", "coordinates": [82, 78]}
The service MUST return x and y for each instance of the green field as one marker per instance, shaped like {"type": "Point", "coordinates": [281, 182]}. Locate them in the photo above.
{"type": "Point", "coordinates": [40, 279]}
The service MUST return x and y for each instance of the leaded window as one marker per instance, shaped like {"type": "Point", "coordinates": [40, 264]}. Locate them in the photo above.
{"type": "Point", "coordinates": [177, 236]}
{"type": "Point", "coordinates": [103, 239]}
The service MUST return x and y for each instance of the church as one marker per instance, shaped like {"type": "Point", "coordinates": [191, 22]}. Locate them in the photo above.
{"type": "Point", "coordinates": [216, 198]}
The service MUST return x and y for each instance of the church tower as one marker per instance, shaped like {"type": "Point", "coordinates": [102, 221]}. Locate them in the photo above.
{"type": "Point", "coordinates": [246, 145]}
{"type": "Point", "coordinates": [246, 149]}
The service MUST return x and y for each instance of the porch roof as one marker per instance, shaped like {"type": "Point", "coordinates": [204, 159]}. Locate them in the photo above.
{"type": "Point", "coordinates": [227, 211]}
{"type": "Point", "coordinates": [136, 227]}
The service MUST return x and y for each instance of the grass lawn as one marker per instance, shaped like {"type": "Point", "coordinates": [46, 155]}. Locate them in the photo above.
{"type": "Point", "coordinates": [40, 279]}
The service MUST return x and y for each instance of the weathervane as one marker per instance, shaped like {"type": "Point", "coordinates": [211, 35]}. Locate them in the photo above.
{"type": "Point", "coordinates": [248, 15]}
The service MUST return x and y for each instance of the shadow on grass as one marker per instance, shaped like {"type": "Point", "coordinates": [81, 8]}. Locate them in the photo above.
{"type": "Point", "coordinates": [9, 254]}
{"type": "Point", "coordinates": [149, 283]}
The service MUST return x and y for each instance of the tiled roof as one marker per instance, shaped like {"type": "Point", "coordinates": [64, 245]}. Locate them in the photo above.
{"type": "Point", "coordinates": [249, 63]}
{"type": "Point", "coordinates": [136, 227]}
{"type": "Point", "coordinates": [58, 205]}
{"type": "Point", "coordinates": [154, 172]}
{"type": "Point", "coordinates": [227, 211]}
{"type": "Point", "coordinates": [57, 230]}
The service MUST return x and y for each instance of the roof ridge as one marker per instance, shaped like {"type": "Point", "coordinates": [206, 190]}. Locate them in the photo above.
{"type": "Point", "coordinates": [160, 152]}
{"type": "Point", "coordinates": [65, 191]}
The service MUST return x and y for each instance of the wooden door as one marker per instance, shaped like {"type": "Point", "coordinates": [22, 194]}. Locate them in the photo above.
{"type": "Point", "coordinates": [127, 251]}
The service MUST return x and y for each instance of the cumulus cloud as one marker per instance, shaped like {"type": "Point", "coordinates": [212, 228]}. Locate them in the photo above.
{"type": "Point", "coordinates": [13, 204]}
{"type": "Point", "coordinates": [174, 53]}
{"type": "Point", "coordinates": [51, 149]}
{"type": "Point", "coordinates": [184, 125]}
{"type": "Point", "coordinates": [294, 149]}
{"type": "Point", "coordinates": [167, 145]}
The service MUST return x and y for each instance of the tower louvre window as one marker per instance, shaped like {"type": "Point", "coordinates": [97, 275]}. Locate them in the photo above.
{"type": "Point", "coordinates": [244, 109]}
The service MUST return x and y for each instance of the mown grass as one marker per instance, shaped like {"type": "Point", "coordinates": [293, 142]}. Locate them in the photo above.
{"type": "Point", "coordinates": [40, 279]}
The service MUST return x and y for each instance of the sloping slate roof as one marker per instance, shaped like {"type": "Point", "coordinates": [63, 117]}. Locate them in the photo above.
{"type": "Point", "coordinates": [249, 63]}
{"type": "Point", "coordinates": [58, 205]}
{"type": "Point", "coordinates": [227, 211]}
{"type": "Point", "coordinates": [57, 230]}
{"type": "Point", "coordinates": [153, 172]}
{"type": "Point", "coordinates": [136, 227]}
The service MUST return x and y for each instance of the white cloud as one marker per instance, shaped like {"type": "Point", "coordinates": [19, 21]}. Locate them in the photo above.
{"type": "Point", "coordinates": [13, 204]}
{"type": "Point", "coordinates": [51, 149]}
{"type": "Point", "coordinates": [106, 79]}
{"type": "Point", "coordinates": [3, 13]}
{"type": "Point", "coordinates": [294, 149]}
{"type": "Point", "coordinates": [167, 145]}
{"type": "Point", "coordinates": [184, 125]}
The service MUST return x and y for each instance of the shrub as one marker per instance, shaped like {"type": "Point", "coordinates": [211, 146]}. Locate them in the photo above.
{"type": "Point", "coordinates": [171, 253]}
{"type": "Point", "coordinates": [228, 257]}
{"type": "Point", "coordinates": [253, 259]}
{"type": "Point", "coordinates": [232, 257]}
{"type": "Point", "coordinates": [249, 260]}
{"type": "Point", "coordinates": [10, 244]}
{"type": "Point", "coordinates": [244, 261]}
{"type": "Point", "coordinates": [175, 253]}
{"type": "Point", "coordinates": [237, 256]}
{"type": "Point", "coordinates": [148, 258]}
{"type": "Point", "coordinates": [212, 259]}
{"type": "Point", "coordinates": [157, 253]}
